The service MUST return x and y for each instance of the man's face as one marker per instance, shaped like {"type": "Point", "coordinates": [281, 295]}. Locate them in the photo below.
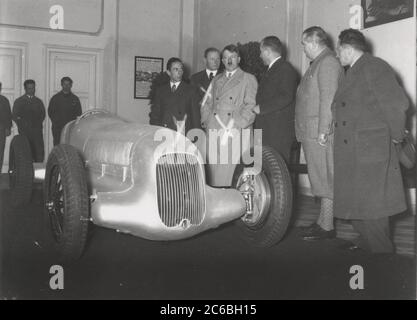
{"type": "Point", "coordinates": [66, 86]}
{"type": "Point", "coordinates": [264, 55]}
{"type": "Point", "coordinates": [345, 54]}
{"type": "Point", "coordinates": [30, 89]}
{"type": "Point", "coordinates": [213, 61]}
{"type": "Point", "coordinates": [176, 72]}
{"type": "Point", "coordinates": [231, 60]}
{"type": "Point", "coordinates": [308, 48]}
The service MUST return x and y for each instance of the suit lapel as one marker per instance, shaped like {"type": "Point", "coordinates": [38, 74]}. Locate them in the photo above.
{"type": "Point", "coordinates": [351, 76]}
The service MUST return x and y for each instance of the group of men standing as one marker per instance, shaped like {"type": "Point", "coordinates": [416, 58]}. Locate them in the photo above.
{"type": "Point", "coordinates": [348, 112]}
{"type": "Point", "coordinates": [29, 114]}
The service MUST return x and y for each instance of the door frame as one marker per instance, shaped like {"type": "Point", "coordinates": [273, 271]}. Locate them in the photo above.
{"type": "Point", "coordinates": [49, 50]}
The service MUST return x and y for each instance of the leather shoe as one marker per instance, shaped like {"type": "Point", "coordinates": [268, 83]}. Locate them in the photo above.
{"type": "Point", "coordinates": [318, 233]}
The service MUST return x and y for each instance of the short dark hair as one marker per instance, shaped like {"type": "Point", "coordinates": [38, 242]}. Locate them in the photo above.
{"type": "Point", "coordinates": [318, 34]}
{"type": "Point", "coordinates": [66, 79]}
{"type": "Point", "coordinates": [354, 38]}
{"type": "Point", "coordinates": [273, 43]}
{"type": "Point", "coordinates": [29, 81]}
{"type": "Point", "coordinates": [231, 48]}
{"type": "Point", "coordinates": [211, 49]}
{"type": "Point", "coordinates": [171, 61]}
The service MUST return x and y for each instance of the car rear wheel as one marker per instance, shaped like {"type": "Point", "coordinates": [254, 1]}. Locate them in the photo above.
{"type": "Point", "coordinates": [20, 171]}
{"type": "Point", "coordinates": [269, 197]}
{"type": "Point", "coordinates": [66, 202]}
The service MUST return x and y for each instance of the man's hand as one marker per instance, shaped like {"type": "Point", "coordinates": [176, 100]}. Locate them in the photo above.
{"type": "Point", "coordinates": [8, 132]}
{"type": "Point", "coordinates": [257, 110]}
{"type": "Point", "coordinates": [322, 139]}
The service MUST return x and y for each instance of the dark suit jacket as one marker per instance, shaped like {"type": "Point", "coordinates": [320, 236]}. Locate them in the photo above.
{"type": "Point", "coordinates": [200, 80]}
{"type": "Point", "coordinates": [166, 105]}
{"type": "Point", "coordinates": [276, 99]}
{"type": "Point", "coordinates": [369, 108]}
{"type": "Point", "coordinates": [5, 113]}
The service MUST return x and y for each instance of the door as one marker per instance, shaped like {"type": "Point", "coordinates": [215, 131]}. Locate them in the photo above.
{"type": "Point", "coordinates": [12, 72]}
{"type": "Point", "coordinates": [83, 68]}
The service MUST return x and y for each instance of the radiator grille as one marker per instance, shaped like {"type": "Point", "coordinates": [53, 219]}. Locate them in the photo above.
{"type": "Point", "coordinates": [181, 186]}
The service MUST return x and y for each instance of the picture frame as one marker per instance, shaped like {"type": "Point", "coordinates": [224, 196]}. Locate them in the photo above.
{"type": "Point", "coordinates": [378, 12]}
{"type": "Point", "coordinates": [146, 70]}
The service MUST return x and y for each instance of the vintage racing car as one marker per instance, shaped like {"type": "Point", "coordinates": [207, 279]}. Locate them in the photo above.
{"type": "Point", "coordinates": [105, 172]}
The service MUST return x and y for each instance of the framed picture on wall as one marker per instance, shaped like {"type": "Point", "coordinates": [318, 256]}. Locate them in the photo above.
{"type": "Point", "coordinates": [146, 70]}
{"type": "Point", "coordinates": [377, 12]}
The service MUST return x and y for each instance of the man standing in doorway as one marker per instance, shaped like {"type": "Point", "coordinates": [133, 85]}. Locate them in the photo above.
{"type": "Point", "coordinates": [201, 80]}
{"type": "Point", "coordinates": [63, 108]}
{"type": "Point", "coordinates": [314, 125]}
{"type": "Point", "coordinates": [29, 114]}
{"type": "Point", "coordinates": [5, 123]}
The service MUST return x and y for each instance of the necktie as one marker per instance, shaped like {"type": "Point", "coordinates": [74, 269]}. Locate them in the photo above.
{"type": "Point", "coordinates": [211, 76]}
{"type": "Point", "coordinates": [173, 88]}
{"type": "Point", "coordinates": [229, 75]}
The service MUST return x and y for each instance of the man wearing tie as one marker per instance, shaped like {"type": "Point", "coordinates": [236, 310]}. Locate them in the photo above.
{"type": "Point", "coordinates": [29, 114]}
{"type": "Point", "coordinates": [175, 105]}
{"type": "Point", "coordinates": [201, 80]}
{"type": "Point", "coordinates": [276, 98]}
{"type": "Point", "coordinates": [229, 104]}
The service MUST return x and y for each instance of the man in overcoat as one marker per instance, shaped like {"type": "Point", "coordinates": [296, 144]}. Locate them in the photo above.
{"type": "Point", "coordinates": [313, 124]}
{"type": "Point", "coordinates": [369, 108]}
{"type": "Point", "coordinates": [229, 104]}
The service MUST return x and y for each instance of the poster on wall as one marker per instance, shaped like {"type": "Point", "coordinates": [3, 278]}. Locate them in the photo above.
{"type": "Point", "coordinates": [377, 12]}
{"type": "Point", "coordinates": [146, 70]}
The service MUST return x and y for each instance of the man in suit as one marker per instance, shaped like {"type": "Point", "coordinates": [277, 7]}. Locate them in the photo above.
{"type": "Point", "coordinates": [175, 104]}
{"type": "Point", "coordinates": [29, 114]}
{"type": "Point", "coordinates": [201, 80]}
{"type": "Point", "coordinates": [369, 108]}
{"type": "Point", "coordinates": [276, 98]}
{"type": "Point", "coordinates": [313, 124]}
{"type": "Point", "coordinates": [63, 108]}
{"type": "Point", "coordinates": [229, 104]}
{"type": "Point", "coordinates": [5, 124]}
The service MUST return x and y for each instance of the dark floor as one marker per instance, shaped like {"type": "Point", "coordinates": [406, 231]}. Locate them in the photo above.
{"type": "Point", "coordinates": [215, 265]}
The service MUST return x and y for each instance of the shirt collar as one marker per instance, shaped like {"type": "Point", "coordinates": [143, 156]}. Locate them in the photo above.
{"type": "Point", "coordinates": [272, 63]}
{"type": "Point", "coordinates": [214, 72]}
{"type": "Point", "coordinates": [175, 83]}
{"type": "Point", "coordinates": [231, 73]}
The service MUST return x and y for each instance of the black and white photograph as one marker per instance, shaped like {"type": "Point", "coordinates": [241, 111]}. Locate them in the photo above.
{"type": "Point", "coordinates": [206, 156]}
{"type": "Point", "coordinates": [378, 12]}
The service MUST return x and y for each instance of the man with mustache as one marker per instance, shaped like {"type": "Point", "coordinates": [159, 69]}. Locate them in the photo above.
{"type": "Point", "coordinates": [228, 104]}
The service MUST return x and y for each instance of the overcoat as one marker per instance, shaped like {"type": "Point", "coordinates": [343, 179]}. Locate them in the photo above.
{"type": "Point", "coordinates": [232, 101]}
{"type": "Point", "coordinates": [369, 108]}
{"type": "Point", "coordinates": [29, 114]}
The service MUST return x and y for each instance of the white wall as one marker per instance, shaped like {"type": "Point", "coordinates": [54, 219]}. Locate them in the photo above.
{"type": "Point", "coordinates": [153, 28]}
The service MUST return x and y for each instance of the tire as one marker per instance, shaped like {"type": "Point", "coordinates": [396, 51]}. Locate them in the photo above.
{"type": "Point", "coordinates": [66, 202]}
{"type": "Point", "coordinates": [269, 227]}
{"type": "Point", "coordinates": [20, 171]}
